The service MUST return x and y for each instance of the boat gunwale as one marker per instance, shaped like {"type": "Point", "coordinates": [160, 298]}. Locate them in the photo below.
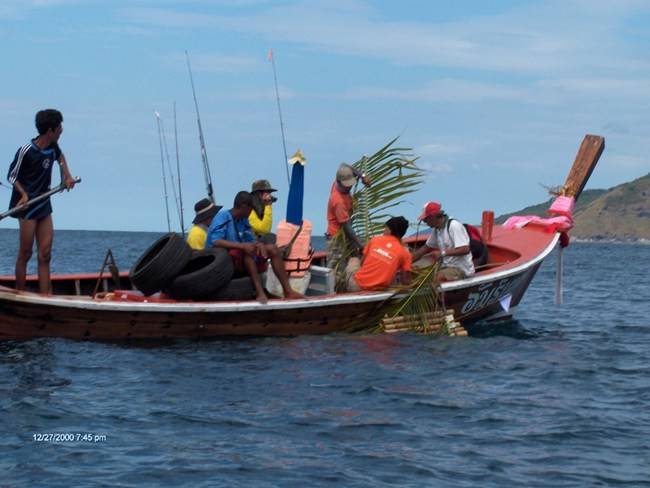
{"type": "Point", "coordinates": [88, 303]}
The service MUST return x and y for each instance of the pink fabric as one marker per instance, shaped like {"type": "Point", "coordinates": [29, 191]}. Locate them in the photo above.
{"type": "Point", "coordinates": [560, 223]}
{"type": "Point", "coordinates": [562, 206]}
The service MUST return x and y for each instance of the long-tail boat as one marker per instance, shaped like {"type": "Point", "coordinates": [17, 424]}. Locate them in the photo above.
{"type": "Point", "coordinates": [105, 305]}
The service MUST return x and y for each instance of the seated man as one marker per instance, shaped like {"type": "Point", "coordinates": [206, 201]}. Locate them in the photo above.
{"type": "Point", "coordinates": [261, 218]}
{"type": "Point", "coordinates": [383, 257]}
{"type": "Point", "coordinates": [447, 243]}
{"type": "Point", "coordinates": [231, 230]}
{"type": "Point", "coordinates": [205, 212]}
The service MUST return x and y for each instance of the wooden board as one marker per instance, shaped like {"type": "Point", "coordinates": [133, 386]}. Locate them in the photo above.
{"type": "Point", "coordinates": [588, 154]}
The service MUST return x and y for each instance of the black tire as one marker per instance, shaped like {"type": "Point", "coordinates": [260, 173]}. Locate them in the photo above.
{"type": "Point", "coordinates": [205, 272]}
{"type": "Point", "coordinates": [160, 264]}
{"type": "Point", "coordinates": [237, 289]}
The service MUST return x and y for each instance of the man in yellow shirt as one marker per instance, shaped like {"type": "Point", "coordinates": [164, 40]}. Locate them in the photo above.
{"type": "Point", "coordinates": [205, 212]}
{"type": "Point", "coordinates": [261, 218]}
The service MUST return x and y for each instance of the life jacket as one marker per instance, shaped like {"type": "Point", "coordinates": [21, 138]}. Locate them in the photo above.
{"type": "Point", "coordinates": [476, 245]}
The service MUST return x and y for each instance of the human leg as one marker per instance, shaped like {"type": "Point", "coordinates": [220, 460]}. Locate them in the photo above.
{"type": "Point", "coordinates": [27, 231]}
{"type": "Point", "coordinates": [44, 238]}
{"type": "Point", "coordinates": [354, 265]}
{"type": "Point", "coordinates": [336, 259]}
{"type": "Point", "coordinates": [280, 271]}
{"type": "Point", "coordinates": [251, 268]}
{"type": "Point", "coordinates": [450, 274]}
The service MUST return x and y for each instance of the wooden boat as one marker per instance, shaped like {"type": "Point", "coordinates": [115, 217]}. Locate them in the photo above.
{"type": "Point", "coordinates": [74, 311]}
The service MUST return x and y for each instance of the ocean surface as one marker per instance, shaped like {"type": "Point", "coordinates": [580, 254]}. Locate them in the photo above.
{"type": "Point", "coordinates": [559, 397]}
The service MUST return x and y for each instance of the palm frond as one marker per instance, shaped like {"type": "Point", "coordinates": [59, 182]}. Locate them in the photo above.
{"type": "Point", "coordinates": [394, 175]}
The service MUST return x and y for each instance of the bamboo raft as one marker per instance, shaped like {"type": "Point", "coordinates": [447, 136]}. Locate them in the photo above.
{"type": "Point", "coordinates": [438, 322]}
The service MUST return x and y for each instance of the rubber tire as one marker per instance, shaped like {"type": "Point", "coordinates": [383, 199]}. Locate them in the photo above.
{"type": "Point", "coordinates": [237, 289]}
{"type": "Point", "coordinates": [158, 266]}
{"type": "Point", "coordinates": [205, 272]}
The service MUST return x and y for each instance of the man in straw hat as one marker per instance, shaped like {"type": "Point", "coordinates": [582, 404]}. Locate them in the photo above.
{"type": "Point", "coordinates": [383, 257]}
{"type": "Point", "coordinates": [448, 243]}
{"type": "Point", "coordinates": [205, 212]}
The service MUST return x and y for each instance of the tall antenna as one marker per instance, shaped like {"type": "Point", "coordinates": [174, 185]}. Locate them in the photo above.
{"type": "Point", "coordinates": [277, 95]}
{"type": "Point", "coordinates": [204, 154]}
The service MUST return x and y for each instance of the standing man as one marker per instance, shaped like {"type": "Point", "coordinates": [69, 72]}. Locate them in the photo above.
{"type": "Point", "coordinates": [448, 243]}
{"type": "Point", "coordinates": [205, 212]}
{"type": "Point", "coordinates": [339, 208]}
{"type": "Point", "coordinates": [231, 230]}
{"type": "Point", "coordinates": [30, 174]}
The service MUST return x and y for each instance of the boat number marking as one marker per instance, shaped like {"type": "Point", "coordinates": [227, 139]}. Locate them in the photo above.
{"type": "Point", "coordinates": [490, 293]}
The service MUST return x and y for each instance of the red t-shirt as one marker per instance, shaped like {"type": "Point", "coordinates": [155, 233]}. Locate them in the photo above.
{"type": "Point", "coordinates": [338, 210]}
{"type": "Point", "coordinates": [384, 257]}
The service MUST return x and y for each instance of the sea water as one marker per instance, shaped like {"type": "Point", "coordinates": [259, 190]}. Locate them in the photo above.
{"type": "Point", "coordinates": [558, 397]}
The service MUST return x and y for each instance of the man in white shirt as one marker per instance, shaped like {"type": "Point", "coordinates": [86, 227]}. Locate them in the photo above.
{"type": "Point", "coordinates": [448, 243]}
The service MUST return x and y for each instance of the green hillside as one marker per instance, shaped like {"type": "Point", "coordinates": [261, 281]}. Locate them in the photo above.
{"type": "Point", "coordinates": [621, 213]}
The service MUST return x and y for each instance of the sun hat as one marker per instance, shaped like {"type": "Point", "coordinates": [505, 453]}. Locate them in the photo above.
{"type": "Point", "coordinates": [205, 209]}
{"type": "Point", "coordinates": [345, 175]}
{"type": "Point", "coordinates": [398, 226]}
{"type": "Point", "coordinates": [430, 208]}
{"type": "Point", "coordinates": [262, 185]}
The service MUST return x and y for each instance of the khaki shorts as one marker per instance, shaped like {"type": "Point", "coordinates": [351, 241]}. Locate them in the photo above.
{"type": "Point", "coordinates": [451, 274]}
{"type": "Point", "coordinates": [354, 265]}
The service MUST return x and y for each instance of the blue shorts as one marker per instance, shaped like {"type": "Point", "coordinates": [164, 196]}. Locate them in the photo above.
{"type": "Point", "coordinates": [35, 212]}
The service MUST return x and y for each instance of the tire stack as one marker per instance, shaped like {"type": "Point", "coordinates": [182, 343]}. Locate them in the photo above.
{"type": "Point", "coordinates": [172, 266]}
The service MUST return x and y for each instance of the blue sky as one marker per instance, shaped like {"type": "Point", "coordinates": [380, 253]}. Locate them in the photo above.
{"type": "Point", "coordinates": [494, 97]}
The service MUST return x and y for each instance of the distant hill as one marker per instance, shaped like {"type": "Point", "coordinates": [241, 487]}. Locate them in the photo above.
{"type": "Point", "coordinates": [621, 213]}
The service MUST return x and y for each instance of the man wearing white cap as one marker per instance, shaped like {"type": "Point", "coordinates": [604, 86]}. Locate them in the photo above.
{"type": "Point", "coordinates": [448, 243]}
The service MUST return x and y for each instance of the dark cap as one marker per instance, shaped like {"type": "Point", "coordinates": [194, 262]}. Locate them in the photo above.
{"type": "Point", "coordinates": [398, 226]}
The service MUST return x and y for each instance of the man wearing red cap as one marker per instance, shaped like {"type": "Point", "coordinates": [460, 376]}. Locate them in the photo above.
{"type": "Point", "coordinates": [448, 243]}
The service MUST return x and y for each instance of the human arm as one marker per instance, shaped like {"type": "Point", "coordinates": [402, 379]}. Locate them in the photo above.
{"type": "Point", "coordinates": [460, 241]}
{"type": "Point", "coordinates": [421, 251]}
{"type": "Point", "coordinates": [406, 277]}
{"type": "Point", "coordinates": [349, 232]}
{"type": "Point", "coordinates": [24, 197]}
{"type": "Point", "coordinates": [262, 226]}
{"type": "Point", "coordinates": [250, 248]}
{"type": "Point", "coordinates": [457, 251]}
{"type": "Point", "coordinates": [66, 176]}
{"type": "Point", "coordinates": [365, 179]}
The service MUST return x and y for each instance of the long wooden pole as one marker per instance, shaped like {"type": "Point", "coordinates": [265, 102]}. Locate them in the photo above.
{"type": "Point", "coordinates": [37, 199]}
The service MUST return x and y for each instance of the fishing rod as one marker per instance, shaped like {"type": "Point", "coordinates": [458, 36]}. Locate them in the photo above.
{"type": "Point", "coordinates": [162, 164]}
{"type": "Point", "coordinates": [37, 199]}
{"type": "Point", "coordinates": [178, 171]}
{"type": "Point", "coordinates": [204, 154]}
{"type": "Point", "coordinates": [177, 202]}
{"type": "Point", "coordinates": [277, 95]}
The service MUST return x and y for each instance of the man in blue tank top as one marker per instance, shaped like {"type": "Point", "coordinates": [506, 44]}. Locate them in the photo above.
{"type": "Point", "coordinates": [30, 174]}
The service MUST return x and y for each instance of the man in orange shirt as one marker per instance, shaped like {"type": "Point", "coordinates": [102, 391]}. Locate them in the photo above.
{"type": "Point", "coordinates": [383, 257]}
{"type": "Point", "coordinates": [338, 217]}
